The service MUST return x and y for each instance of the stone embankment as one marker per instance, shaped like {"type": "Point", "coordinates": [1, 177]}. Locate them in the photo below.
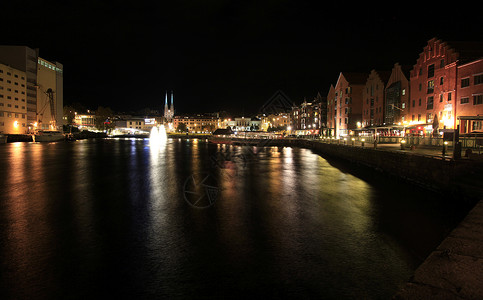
{"type": "Point", "coordinates": [461, 178]}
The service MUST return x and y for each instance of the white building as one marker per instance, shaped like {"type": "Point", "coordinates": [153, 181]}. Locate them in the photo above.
{"type": "Point", "coordinates": [49, 80]}
{"type": "Point", "coordinates": [13, 106]}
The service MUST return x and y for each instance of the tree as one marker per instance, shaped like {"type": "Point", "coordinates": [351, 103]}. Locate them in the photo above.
{"type": "Point", "coordinates": [182, 127]}
{"type": "Point", "coordinates": [69, 114]}
{"type": "Point", "coordinates": [104, 119]}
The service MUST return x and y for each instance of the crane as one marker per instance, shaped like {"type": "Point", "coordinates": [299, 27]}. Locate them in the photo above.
{"type": "Point", "coordinates": [50, 96]}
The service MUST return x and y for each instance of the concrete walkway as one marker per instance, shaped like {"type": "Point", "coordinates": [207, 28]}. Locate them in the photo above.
{"type": "Point", "coordinates": [455, 269]}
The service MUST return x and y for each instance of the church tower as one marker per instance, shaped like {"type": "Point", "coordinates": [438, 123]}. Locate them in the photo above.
{"type": "Point", "coordinates": [168, 110]}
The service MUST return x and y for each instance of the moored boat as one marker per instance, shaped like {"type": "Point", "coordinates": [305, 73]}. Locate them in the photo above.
{"type": "Point", "coordinates": [48, 136]}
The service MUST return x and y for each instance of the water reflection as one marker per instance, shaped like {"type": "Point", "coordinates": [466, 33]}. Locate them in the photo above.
{"type": "Point", "coordinates": [84, 218]}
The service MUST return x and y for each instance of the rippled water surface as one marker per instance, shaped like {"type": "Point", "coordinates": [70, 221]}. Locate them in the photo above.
{"type": "Point", "coordinates": [189, 219]}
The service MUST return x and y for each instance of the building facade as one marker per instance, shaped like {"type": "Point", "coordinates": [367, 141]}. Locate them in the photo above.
{"type": "Point", "coordinates": [197, 124]}
{"type": "Point", "coordinates": [445, 79]}
{"type": "Point", "coordinates": [433, 87]}
{"type": "Point", "coordinates": [396, 97]}
{"type": "Point", "coordinates": [469, 100]}
{"type": "Point", "coordinates": [41, 76]}
{"type": "Point", "coordinates": [373, 108]}
{"type": "Point", "coordinates": [344, 102]}
{"type": "Point", "coordinates": [13, 106]}
{"type": "Point", "coordinates": [50, 94]}
{"type": "Point", "coordinates": [168, 110]}
{"type": "Point", "coordinates": [24, 59]}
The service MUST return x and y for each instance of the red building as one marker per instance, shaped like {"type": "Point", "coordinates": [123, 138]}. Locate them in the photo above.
{"type": "Point", "coordinates": [373, 107]}
{"type": "Point", "coordinates": [469, 100]}
{"type": "Point", "coordinates": [344, 103]}
{"type": "Point", "coordinates": [443, 81]}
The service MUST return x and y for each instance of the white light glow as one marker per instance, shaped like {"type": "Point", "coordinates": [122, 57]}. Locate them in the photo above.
{"type": "Point", "coordinates": [158, 135]}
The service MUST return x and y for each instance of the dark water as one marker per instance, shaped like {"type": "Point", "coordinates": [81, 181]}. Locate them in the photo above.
{"type": "Point", "coordinates": [112, 218]}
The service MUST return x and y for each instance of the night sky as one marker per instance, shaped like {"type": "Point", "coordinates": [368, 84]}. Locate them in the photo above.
{"type": "Point", "coordinates": [222, 55]}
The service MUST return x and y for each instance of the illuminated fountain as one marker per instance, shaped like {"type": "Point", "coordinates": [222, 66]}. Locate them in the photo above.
{"type": "Point", "coordinates": [158, 135]}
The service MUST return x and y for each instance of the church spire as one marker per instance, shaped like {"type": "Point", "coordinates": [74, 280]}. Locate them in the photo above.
{"type": "Point", "coordinates": [166, 104]}
{"type": "Point", "coordinates": [172, 103]}
{"type": "Point", "coordinates": [168, 110]}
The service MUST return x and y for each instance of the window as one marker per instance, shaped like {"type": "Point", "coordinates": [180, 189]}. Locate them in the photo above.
{"type": "Point", "coordinates": [419, 102]}
{"type": "Point", "coordinates": [441, 81]}
{"type": "Point", "coordinates": [429, 103]}
{"type": "Point", "coordinates": [478, 99]}
{"type": "Point", "coordinates": [476, 125]}
{"type": "Point", "coordinates": [404, 92]}
{"type": "Point", "coordinates": [403, 105]}
{"type": "Point", "coordinates": [430, 86]}
{"type": "Point", "coordinates": [441, 63]}
{"type": "Point", "coordinates": [414, 103]}
{"type": "Point", "coordinates": [465, 82]}
{"type": "Point", "coordinates": [449, 96]}
{"type": "Point", "coordinates": [431, 71]}
{"type": "Point", "coordinates": [478, 79]}
{"type": "Point", "coordinates": [465, 100]}
{"type": "Point", "coordinates": [440, 97]}
{"type": "Point", "coordinates": [419, 117]}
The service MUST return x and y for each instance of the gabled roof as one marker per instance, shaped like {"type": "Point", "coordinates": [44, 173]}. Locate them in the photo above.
{"type": "Point", "coordinates": [354, 77]}
{"type": "Point", "coordinates": [384, 75]}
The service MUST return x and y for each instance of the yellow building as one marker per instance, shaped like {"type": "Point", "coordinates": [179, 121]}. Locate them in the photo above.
{"type": "Point", "coordinates": [275, 121]}
{"type": "Point", "coordinates": [13, 111]}
{"type": "Point", "coordinates": [197, 124]}
{"type": "Point", "coordinates": [49, 84]}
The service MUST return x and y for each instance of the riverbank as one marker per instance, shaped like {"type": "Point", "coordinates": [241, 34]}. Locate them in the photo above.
{"type": "Point", "coordinates": [425, 167]}
{"type": "Point", "coordinates": [455, 269]}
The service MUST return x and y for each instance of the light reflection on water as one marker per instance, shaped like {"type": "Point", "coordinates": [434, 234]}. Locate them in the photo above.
{"type": "Point", "coordinates": [108, 217]}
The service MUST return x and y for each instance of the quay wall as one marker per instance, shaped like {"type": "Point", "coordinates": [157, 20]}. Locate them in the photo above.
{"type": "Point", "coordinates": [460, 178]}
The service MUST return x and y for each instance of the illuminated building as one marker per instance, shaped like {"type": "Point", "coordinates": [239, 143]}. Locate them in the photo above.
{"type": "Point", "coordinates": [469, 100]}
{"type": "Point", "coordinates": [373, 107]}
{"type": "Point", "coordinates": [168, 110]}
{"type": "Point", "coordinates": [275, 121]}
{"type": "Point", "coordinates": [24, 59]}
{"type": "Point", "coordinates": [396, 99]}
{"type": "Point", "coordinates": [344, 103]}
{"type": "Point", "coordinates": [85, 120]}
{"type": "Point", "coordinates": [196, 124]}
{"type": "Point", "coordinates": [310, 117]}
{"type": "Point", "coordinates": [13, 110]}
{"type": "Point", "coordinates": [446, 85]}
{"type": "Point", "coordinates": [49, 77]}
{"type": "Point", "coordinates": [41, 75]}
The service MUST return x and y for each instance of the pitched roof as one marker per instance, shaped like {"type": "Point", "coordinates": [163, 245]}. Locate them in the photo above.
{"type": "Point", "coordinates": [355, 78]}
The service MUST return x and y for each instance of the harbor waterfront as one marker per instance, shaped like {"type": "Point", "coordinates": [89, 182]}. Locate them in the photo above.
{"type": "Point", "coordinates": [110, 217]}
